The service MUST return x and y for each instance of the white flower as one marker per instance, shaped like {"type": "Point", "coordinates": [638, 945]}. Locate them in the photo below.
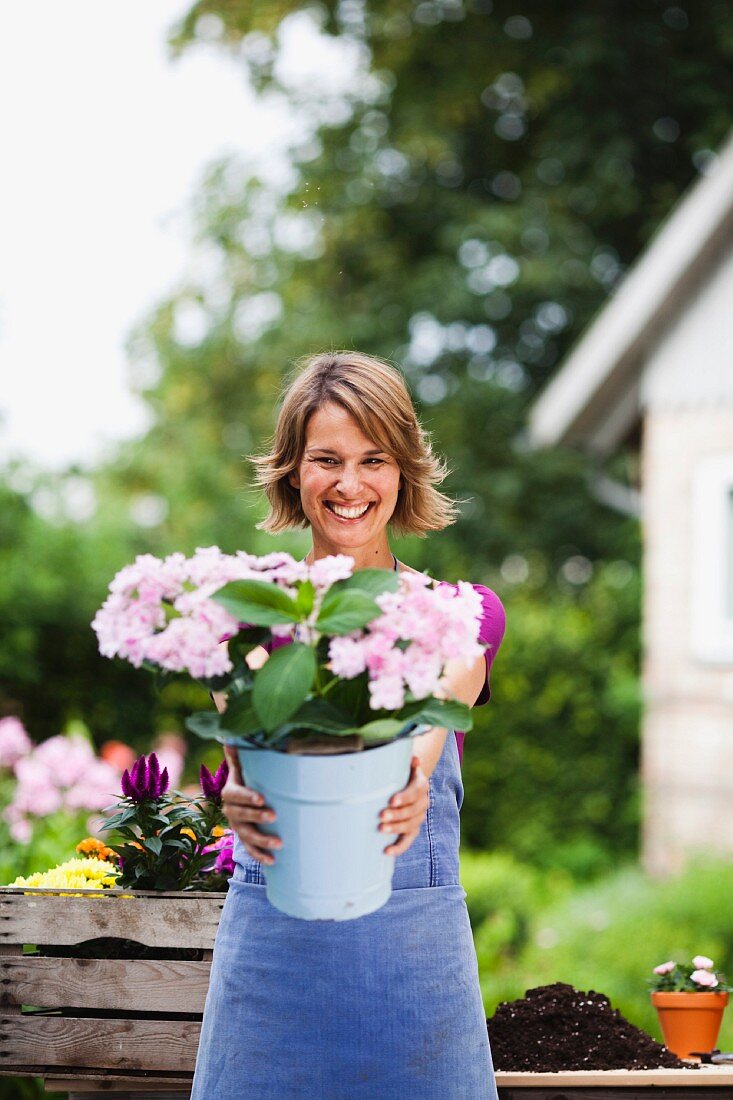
{"type": "Point", "coordinates": [704, 977]}
{"type": "Point", "coordinates": [702, 962]}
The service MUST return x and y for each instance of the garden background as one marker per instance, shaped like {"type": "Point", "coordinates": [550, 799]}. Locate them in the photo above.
{"type": "Point", "coordinates": [463, 209]}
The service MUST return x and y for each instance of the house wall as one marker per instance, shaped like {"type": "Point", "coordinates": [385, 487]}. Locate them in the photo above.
{"type": "Point", "coordinates": [687, 743]}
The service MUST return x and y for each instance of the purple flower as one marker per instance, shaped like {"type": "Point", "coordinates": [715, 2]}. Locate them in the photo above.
{"type": "Point", "coordinates": [213, 785]}
{"type": "Point", "coordinates": [225, 860]}
{"type": "Point", "coordinates": [145, 779]}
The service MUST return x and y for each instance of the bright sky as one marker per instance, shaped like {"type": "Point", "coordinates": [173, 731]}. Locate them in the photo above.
{"type": "Point", "coordinates": [102, 141]}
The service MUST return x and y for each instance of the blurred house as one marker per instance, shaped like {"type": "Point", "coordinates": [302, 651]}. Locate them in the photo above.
{"type": "Point", "coordinates": [655, 371]}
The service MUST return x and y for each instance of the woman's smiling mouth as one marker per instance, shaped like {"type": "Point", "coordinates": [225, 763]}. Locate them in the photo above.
{"type": "Point", "coordinates": [350, 514]}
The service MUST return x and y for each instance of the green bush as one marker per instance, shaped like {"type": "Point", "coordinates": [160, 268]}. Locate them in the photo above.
{"type": "Point", "coordinates": [503, 897]}
{"type": "Point", "coordinates": [551, 767]}
{"type": "Point", "coordinates": [609, 936]}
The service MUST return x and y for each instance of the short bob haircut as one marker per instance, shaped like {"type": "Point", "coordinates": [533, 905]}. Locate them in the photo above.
{"type": "Point", "coordinates": [375, 394]}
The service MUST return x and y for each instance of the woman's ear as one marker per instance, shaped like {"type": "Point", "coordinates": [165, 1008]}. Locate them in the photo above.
{"type": "Point", "coordinates": [294, 479]}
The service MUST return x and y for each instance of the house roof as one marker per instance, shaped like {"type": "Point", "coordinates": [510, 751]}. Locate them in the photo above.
{"type": "Point", "coordinates": [594, 398]}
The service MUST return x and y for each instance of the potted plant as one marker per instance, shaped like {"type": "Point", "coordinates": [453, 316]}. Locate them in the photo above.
{"type": "Point", "coordinates": [690, 999]}
{"type": "Point", "coordinates": [322, 727]}
{"type": "Point", "coordinates": [105, 953]}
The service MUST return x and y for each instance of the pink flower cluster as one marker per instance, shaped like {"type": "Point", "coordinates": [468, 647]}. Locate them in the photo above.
{"type": "Point", "coordinates": [61, 773]}
{"type": "Point", "coordinates": [703, 974]}
{"type": "Point", "coordinates": [162, 611]}
{"type": "Point", "coordinates": [14, 741]}
{"type": "Point", "coordinates": [439, 622]}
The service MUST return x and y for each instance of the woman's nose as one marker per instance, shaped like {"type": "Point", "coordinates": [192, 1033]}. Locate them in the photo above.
{"type": "Point", "coordinates": [349, 481]}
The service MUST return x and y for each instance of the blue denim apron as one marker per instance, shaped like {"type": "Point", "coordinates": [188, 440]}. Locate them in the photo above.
{"type": "Point", "coordinates": [384, 1006]}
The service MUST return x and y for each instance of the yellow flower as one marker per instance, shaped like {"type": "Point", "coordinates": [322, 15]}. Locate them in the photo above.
{"type": "Point", "coordinates": [218, 830]}
{"type": "Point", "coordinates": [75, 874]}
{"type": "Point", "coordinates": [188, 832]}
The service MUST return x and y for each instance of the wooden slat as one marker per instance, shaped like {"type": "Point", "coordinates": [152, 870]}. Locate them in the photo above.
{"type": "Point", "coordinates": [89, 1080]}
{"type": "Point", "coordinates": [704, 1077]}
{"type": "Point", "coordinates": [620, 1092]}
{"type": "Point", "coordinates": [122, 1045]}
{"type": "Point", "coordinates": [123, 1094]}
{"type": "Point", "coordinates": [121, 1088]}
{"type": "Point", "coordinates": [168, 920]}
{"type": "Point", "coordinates": [144, 985]}
{"type": "Point", "coordinates": [113, 1082]}
{"type": "Point", "coordinates": [85, 1093]}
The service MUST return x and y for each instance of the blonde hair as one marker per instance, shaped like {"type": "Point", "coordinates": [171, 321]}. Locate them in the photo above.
{"type": "Point", "coordinates": [375, 395]}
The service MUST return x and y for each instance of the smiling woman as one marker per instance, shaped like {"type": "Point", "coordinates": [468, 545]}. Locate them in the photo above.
{"type": "Point", "coordinates": [387, 1004]}
{"type": "Point", "coordinates": [349, 495]}
{"type": "Point", "coordinates": [349, 390]}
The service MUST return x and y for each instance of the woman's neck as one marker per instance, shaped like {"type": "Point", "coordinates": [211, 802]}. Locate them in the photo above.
{"type": "Point", "coordinates": [383, 559]}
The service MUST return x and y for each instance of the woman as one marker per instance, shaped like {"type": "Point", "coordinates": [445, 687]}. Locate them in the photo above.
{"type": "Point", "coordinates": [387, 1005]}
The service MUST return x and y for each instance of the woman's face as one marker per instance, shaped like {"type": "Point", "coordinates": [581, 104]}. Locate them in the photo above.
{"type": "Point", "coordinates": [341, 468]}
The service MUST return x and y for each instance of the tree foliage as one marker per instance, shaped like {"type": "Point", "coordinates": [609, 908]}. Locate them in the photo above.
{"type": "Point", "coordinates": [461, 203]}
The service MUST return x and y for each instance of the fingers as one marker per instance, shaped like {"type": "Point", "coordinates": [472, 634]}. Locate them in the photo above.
{"type": "Point", "coordinates": [258, 845]}
{"type": "Point", "coordinates": [406, 811]}
{"type": "Point", "coordinates": [232, 758]}
{"type": "Point", "coordinates": [411, 801]}
{"type": "Point", "coordinates": [402, 844]}
{"type": "Point", "coordinates": [244, 809]}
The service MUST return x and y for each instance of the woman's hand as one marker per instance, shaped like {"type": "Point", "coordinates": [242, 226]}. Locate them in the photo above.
{"type": "Point", "coordinates": [406, 811]}
{"type": "Point", "coordinates": [244, 807]}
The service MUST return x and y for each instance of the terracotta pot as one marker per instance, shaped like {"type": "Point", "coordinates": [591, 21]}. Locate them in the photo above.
{"type": "Point", "coordinates": [690, 1021]}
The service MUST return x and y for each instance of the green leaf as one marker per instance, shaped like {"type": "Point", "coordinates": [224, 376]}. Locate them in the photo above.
{"type": "Point", "coordinates": [240, 717]}
{"type": "Point", "coordinates": [153, 844]}
{"type": "Point", "coordinates": [259, 602]}
{"type": "Point", "coordinates": [370, 581]}
{"type": "Point", "coordinates": [305, 598]}
{"type": "Point", "coordinates": [352, 698]}
{"type": "Point", "coordinates": [448, 713]}
{"type": "Point", "coordinates": [319, 714]}
{"type": "Point", "coordinates": [381, 729]}
{"type": "Point", "coordinates": [205, 724]}
{"type": "Point", "coordinates": [282, 683]}
{"type": "Point", "coordinates": [342, 612]}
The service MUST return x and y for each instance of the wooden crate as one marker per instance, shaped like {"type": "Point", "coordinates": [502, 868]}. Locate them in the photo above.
{"type": "Point", "coordinates": [122, 1022]}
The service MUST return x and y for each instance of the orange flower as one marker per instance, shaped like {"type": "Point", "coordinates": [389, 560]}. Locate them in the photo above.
{"type": "Point", "coordinates": [95, 849]}
{"type": "Point", "coordinates": [188, 832]}
{"type": "Point", "coordinates": [219, 830]}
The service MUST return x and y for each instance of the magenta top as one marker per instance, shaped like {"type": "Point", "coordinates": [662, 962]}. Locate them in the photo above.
{"type": "Point", "coordinates": [491, 633]}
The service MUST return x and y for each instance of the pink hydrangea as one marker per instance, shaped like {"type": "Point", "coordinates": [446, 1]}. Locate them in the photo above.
{"type": "Point", "coordinates": [162, 611]}
{"type": "Point", "coordinates": [440, 623]}
{"type": "Point", "coordinates": [347, 658]}
{"type": "Point", "coordinates": [326, 571]}
{"type": "Point", "coordinates": [14, 741]}
{"type": "Point", "coordinates": [386, 693]}
{"type": "Point", "coordinates": [61, 773]}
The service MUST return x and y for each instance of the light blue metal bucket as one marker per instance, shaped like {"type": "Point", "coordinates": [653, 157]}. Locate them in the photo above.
{"type": "Point", "coordinates": [332, 864]}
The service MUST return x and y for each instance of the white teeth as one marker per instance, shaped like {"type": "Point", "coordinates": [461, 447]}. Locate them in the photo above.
{"type": "Point", "coordinates": [347, 513]}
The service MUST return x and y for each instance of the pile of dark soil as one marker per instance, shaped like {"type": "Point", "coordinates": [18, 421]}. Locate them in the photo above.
{"type": "Point", "coordinates": [556, 1027]}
